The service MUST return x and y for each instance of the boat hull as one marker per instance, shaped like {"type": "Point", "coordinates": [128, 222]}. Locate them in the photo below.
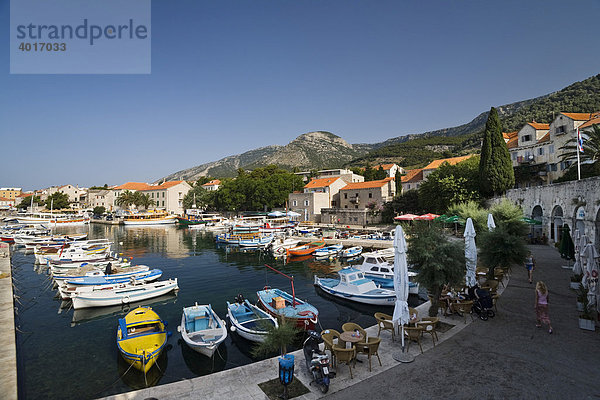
{"type": "Point", "coordinates": [304, 316]}
{"type": "Point", "coordinates": [197, 339]}
{"type": "Point", "coordinates": [151, 221]}
{"type": "Point", "coordinates": [244, 328]}
{"type": "Point", "coordinates": [384, 300]}
{"type": "Point", "coordinates": [126, 295]}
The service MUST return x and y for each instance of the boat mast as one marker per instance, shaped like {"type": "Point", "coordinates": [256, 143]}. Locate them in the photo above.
{"type": "Point", "coordinates": [291, 278]}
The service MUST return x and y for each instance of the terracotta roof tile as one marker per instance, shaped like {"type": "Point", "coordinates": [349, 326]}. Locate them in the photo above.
{"type": "Point", "coordinates": [452, 161]}
{"type": "Point", "coordinates": [545, 138]}
{"type": "Point", "coordinates": [133, 186]}
{"type": "Point", "coordinates": [539, 127]}
{"type": "Point", "coordinates": [212, 183]}
{"type": "Point", "coordinates": [413, 175]}
{"type": "Point", "coordinates": [321, 182]}
{"type": "Point", "coordinates": [579, 116]}
{"type": "Point", "coordinates": [593, 121]}
{"type": "Point", "coordinates": [5, 199]}
{"type": "Point", "coordinates": [513, 142]}
{"type": "Point", "coordinates": [509, 135]}
{"type": "Point", "coordinates": [367, 185]}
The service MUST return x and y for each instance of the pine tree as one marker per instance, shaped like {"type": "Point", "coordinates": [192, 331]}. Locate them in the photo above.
{"type": "Point", "coordinates": [496, 173]}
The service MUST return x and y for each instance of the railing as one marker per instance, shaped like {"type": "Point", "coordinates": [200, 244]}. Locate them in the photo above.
{"type": "Point", "coordinates": [527, 159]}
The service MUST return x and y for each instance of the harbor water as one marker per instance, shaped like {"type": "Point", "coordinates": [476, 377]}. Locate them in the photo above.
{"type": "Point", "coordinates": [72, 354]}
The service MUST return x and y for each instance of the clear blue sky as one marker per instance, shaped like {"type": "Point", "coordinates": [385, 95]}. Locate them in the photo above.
{"type": "Point", "coordinates": [230, 76]}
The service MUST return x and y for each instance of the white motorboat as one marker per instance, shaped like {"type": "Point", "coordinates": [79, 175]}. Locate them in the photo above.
{"type": "Point", "coordinates": [124, 295]}
{"type": "Point", "coordinates": [375, 267]}
{"type": "Point", "coordinates": [352, 285]}
{"type": "Point", "coordinates": [249, 321]}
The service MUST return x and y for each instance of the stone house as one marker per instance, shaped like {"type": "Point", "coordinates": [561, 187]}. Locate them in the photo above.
{"type": "Point", "coordinates": [390, 169]}
{"type": "Point", "coordinates": [317, 194]}
{"type": "Point", "coordinates": [412, 180]}
{"type": "Point", "coordinates": [102, 198]}
{"type": "Point", "coordinates": [435, 164]}
{"type": "Point", "coordinates": [372, 194]}
{"type": "Point", "coordinates": [345, 174]}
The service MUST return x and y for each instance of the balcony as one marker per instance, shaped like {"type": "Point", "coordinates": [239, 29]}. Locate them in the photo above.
{"type": "Point", "coordinates": [526, 159]}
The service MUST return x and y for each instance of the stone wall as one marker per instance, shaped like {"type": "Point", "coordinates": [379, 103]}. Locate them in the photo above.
{"type": "Point", "coordinates": [575, 203]}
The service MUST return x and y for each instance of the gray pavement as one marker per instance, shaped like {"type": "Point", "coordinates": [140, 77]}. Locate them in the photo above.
{"type": "Point", "coordinates": [8, 351]}
{"type": "Point", "coordinates": [506, 357]}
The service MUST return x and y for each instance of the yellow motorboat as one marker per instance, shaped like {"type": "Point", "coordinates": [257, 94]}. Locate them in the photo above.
{"type": "Point", "coordinates": [141, 337]}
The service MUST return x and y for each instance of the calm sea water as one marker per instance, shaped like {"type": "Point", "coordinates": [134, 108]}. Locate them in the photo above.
{"type": "Point", "coordinates": [68, 354]}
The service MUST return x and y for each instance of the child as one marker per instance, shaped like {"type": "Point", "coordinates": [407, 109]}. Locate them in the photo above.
{"type": "Point", "coordinates": [541, 305]}
{"type": "Point", "coordinates": [530, 265]}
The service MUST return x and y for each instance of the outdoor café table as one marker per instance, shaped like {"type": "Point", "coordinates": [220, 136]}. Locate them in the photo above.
{"type": "Point", "coordinates": [352, 337]}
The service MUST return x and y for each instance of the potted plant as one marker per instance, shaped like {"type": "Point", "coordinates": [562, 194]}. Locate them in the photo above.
{"type": "Point", "coordinates": [587, 318]}
{"type": "Point", "coordinates": [581, 297]}
{"type": "Point", "coordinates": [576, 281]}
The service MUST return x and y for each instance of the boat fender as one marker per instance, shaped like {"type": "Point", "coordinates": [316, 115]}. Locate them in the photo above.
{"type": "Point", "coordinates": [166, 323]}
{"type": "Point", "coordinates": [179, 329]}
{"type": "Point", "coordinates": [169, 334]}
{"type": "Point", "coordinates": [232, 329]}
{"type": "Point", "coordinates": [125, 299]}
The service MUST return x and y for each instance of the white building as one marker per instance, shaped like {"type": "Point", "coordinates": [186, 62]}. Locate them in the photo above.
{"type": "Point", "coordinates": [212, 185]}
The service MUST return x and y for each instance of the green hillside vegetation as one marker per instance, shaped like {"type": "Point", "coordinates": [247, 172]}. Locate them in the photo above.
{"type": "Point", "coordinates": [419, 152]}
{"type": "Point", "coordinates": [581, 96]}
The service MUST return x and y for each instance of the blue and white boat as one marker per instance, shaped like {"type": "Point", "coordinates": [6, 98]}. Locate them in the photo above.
{"type": "Point", "coordinates": [249, 321]}
{"type": "Point", "coordinates": [351, 252]}
{"type": "Point", "coordinates": [202, 329]}
{"type": "Point", "coordinates": [93, 270]}
{"type": "Point", "coordinates": [73, 287]}
{"type": "Point", "coordinates": [123, 293]}
{"type": "Point", "coordinates": [262, 241]}
{"type": "Point", "coordinates": [281, 304]}
{"type": "Point", "coordinates": [328, 251]}
{"type": "Point", "coordinates": [375, 267]}
{"type": "Point", "coordinates": [352, 285]}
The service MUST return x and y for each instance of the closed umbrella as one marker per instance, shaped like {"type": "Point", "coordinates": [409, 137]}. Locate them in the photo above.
{"type": "Point", "coordinates": [566, 247]}
{"type": "Point", "coordinates": [470, 253]}
{"type": "Point", "coordinates": [582, 258]}
{"type": "Point", "coordinates": [591, 274]}
{"type": "Point", "coordinates": [401, 315]}
{"type": "Point", "coordinates": [577, 266]}
{"type": "Point", "coordinates": [490, 222]}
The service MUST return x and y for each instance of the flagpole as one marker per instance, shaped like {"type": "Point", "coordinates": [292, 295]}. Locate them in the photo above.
{"type": "Point", "coordinates": [578, 149]}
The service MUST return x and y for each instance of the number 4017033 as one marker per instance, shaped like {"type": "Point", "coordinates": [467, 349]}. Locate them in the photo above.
{"type": "Point", "coordinates": [42, 46]}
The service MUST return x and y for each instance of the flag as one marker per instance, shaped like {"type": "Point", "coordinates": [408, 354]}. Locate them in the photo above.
{"type": "Point", "coordinates": [579, 141]}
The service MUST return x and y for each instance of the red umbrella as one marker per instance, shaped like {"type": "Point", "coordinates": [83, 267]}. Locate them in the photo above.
{"type": "Point", "coordinates": [426, 217]}
{"type": "Point", "coordinates": [406, 217]}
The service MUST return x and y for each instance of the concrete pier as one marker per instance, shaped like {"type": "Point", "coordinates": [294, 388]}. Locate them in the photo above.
{"type": "Point", "coordinates": [8, 350]}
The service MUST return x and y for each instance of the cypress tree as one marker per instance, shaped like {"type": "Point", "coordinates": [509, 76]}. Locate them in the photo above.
{"type": "Point", "coordinates": [496, 173]}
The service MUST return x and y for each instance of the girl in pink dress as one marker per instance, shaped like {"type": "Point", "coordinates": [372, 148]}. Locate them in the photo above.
{"type": "Point", "coordinates": [541, 305]}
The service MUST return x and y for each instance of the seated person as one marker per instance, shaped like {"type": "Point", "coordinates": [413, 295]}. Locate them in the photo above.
{"type": "Point", "coordinates": [445, 299]}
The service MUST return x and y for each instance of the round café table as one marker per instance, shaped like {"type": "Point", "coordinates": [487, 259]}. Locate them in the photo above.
{"type": "Point", "coordinates": [352, 337]}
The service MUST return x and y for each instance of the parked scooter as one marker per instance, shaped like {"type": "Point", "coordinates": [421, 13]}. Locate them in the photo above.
{"type": "Point", "coordinates": [317, 361]}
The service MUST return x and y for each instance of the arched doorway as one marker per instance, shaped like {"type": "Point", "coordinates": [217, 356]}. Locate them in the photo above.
{"type": "Point", "coordinates": [597, 235]}
{"type": "Point", "coordinates": [537, 214]}
{"type": "Point", "coordinates": [556, 223]}
{"type": "Point", "coordinates": [580, 221]}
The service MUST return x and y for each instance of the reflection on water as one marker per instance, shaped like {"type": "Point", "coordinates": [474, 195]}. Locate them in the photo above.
{"type": "Point", "coordinates": [83, 342]}
{"type": "Point", "coordinates": [135, 379]}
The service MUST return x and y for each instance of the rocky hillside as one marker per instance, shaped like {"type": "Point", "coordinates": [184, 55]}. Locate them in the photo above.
{"type": "Point", "coordinates": [316, 150]}
{"type": "Point", "coordinates": [313, 150]}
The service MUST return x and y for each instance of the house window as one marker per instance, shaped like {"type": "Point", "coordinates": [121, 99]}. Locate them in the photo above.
{"type": "Point", "coordinates": [560, 130]}
{"type": "Point", "coordinates": [541, 151]}
{"type": "Point", "coordinates": [163, 203]}
{"type": "Point", "coordinates": [294, 203]}
{"type": "Point", "coordinates": [514, 156]}
{"type": "Point", "coordinates": [163, 195]}
{"type": "Point", "coordinates": [346, 206]}
{"type": "Point", "coordinates": [355, 206]}
{"type": "Point", "coordinates": [551, 149]}
{"type": "Point", "coordinates": [345, 195]}
{"type": "Point", "coordinates": [333, 203]}
{"type": "Point", "coordinates": [370, 195]}
{"type": "Point", "coordinates": [526, 138]}
{"type": "Point", "coordinates": [306, 202]}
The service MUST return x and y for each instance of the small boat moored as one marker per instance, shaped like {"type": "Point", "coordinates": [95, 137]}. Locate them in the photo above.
{"type": "Point", "coordinates": [141, 337]}
{"type": "Point", "coordinates": [249, 321]}
{"type": "Point", "coordinates": [202, 329]}
{"type": "Point", "coordinates": [352, 285]}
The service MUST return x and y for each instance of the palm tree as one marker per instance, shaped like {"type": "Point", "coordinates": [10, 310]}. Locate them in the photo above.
{"type": "Point", "coordinates": [591, 147]}
{"type": "Point", "coordinates": [142, 200]}
{"type": "Point", "coordinates": [125, 199]}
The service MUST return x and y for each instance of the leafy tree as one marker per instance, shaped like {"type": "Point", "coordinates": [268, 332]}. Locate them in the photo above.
{"type": "Point", "coordinates": [511, 216]}
{"type": "Point", "coordinates": [99, 210]}
{"type": "Point", "coordinates": [57, 201]}
{"type": "Point", "coordinates": [495, 168]}
{"type": "Point", "coordinates": [26, 202]}
{"type": "Point", "coordinates": [591, 150]}
{"type": "Point", "coordinates": [142, 200]}
{"type": "Point", "coordinates": [125, 199]}
{"type": "Point", "coordinates": [203, 179]}
{"type": "Point", "coordinates": [437, 260]}
{"type": "Point", "coordinates": [450, 184]}
{"type": "Point", "coordinates": [501, 248]}
{"type": "Point", "coordinates": [398, 181]}
{"type": "Point", "coordinates": [471, 209]}
{"type": "Point", "coordinates": [407, 202]}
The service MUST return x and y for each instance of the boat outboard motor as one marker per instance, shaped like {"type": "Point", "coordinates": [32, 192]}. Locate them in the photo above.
{"type": "Point", "coordinates": [317, 361]}
{"type": "Point", "coordinates": [239, 298]}
{"type": "Point", "coordinates": [108, 269]}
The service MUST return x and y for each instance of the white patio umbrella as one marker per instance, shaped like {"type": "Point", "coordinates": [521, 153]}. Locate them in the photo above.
{"type": "Point", "coordinates": [401, 314]}
{"type": "Point", "coordinates": [276, 214]}
{"type": "Point", "coordinates": [591, 273]}
{"type": "Point", "coordinates": [470, 253]}
{"type": "Point", "coordinates": [292, 214]}
{"type": "Point", "coordinates": [490, 222]}
{"type": "Point", "coordinates": [577, 265]}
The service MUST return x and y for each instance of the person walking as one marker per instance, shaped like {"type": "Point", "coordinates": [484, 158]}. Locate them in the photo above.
{"type": "Point", "coordinates": [530, 265]}
{"type": "Point", "coordinates": [541, 305]}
